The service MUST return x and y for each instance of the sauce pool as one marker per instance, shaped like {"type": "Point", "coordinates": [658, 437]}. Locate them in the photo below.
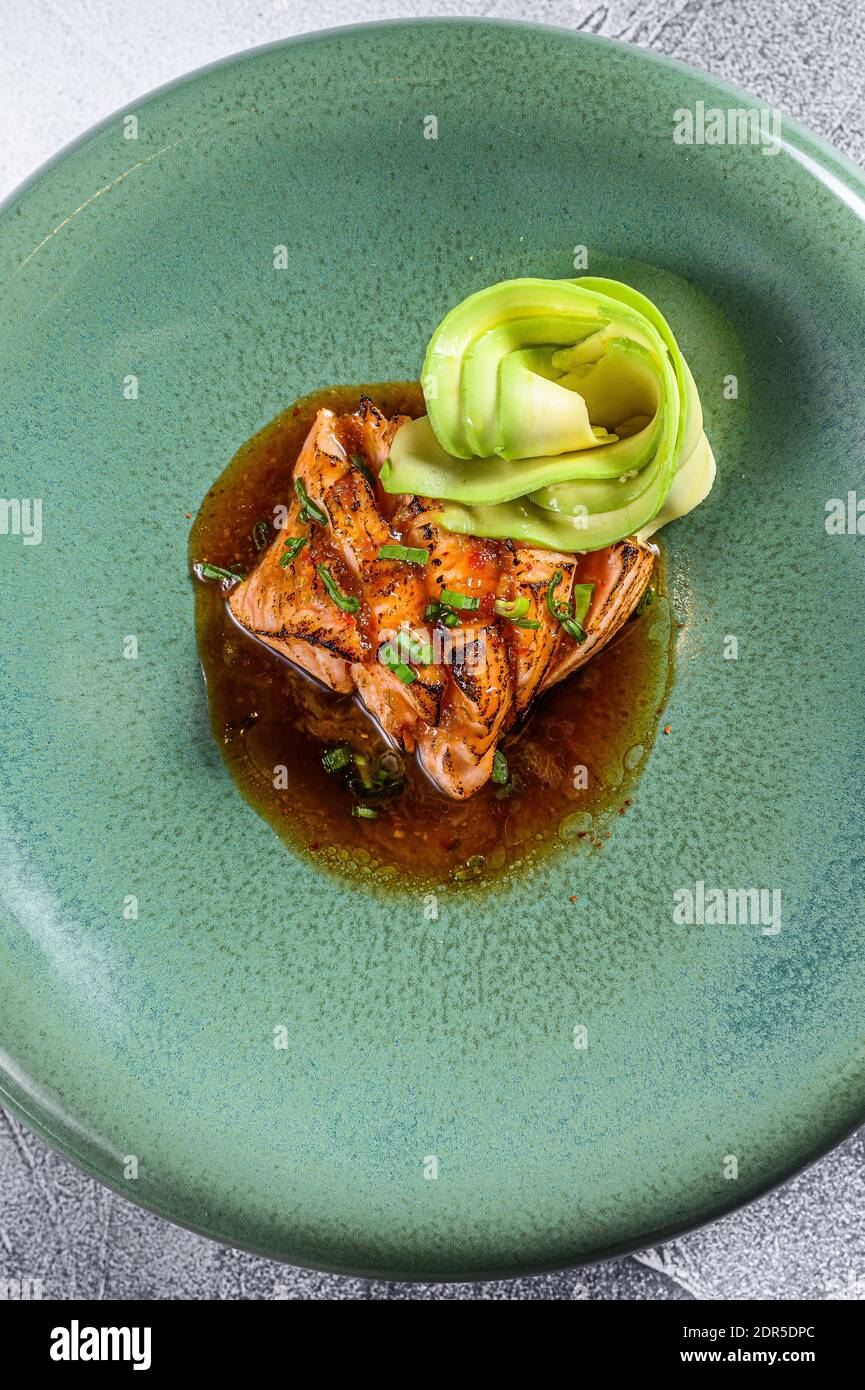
{"type": "Point", "coordinates": [266, 714]}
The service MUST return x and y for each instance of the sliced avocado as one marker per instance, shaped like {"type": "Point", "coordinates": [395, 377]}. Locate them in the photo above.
{"type": "Point", "coordinates": [560, 413]}
{"type": "Point", "coordinates": [573, 497]}
{"type": "Point", "coordinates": [480, 381]}
{"type": "Point", "coordinates": [418, 464]}
{"type": "Point", "coordinates": [535, 415]}
{"type": "Point", "coordinates": [691, 485]}
{"type": "Point", "coordinates": [644, 307]}
{"type": "Point", "coordinates": [524, 521]}
{"type": "Point", "coordinates": [624, 381]}
{"type": "Point", "coordinates": [461, 329]}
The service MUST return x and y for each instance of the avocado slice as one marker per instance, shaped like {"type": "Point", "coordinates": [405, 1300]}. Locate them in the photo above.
{"type": "Point", "coordinates": [560, 413]}
{"type": "Point", "coordinates": [480, 383]}
{"type": "Point", "coordinates": [536, 415]}
{"type": "Point", "coordinates": [508, 303]}
{"type": "Point", "coordinates": [418, 464]}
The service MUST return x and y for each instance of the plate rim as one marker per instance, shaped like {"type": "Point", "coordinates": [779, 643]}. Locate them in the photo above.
{"type": "Point", "coordinates": [829, 165]}
{"type": "Point", "coordinates": [391, 1274]}
{"type": "Point", "coordinates": [850, 172]}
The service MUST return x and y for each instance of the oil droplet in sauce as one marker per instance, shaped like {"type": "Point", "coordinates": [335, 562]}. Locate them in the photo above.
{"type": "Point", "coordinates": [266, 714]}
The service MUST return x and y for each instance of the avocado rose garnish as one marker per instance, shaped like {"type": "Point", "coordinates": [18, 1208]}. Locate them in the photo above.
{"type": "Point", "coordinates": [561, 414]}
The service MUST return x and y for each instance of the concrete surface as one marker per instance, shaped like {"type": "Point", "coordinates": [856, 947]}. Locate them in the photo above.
{"type": "Point", "coordinates": [61, 69]}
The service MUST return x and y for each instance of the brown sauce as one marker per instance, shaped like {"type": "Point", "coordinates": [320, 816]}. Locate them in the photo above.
{"type": "Point", "coordinates": [266, 714]}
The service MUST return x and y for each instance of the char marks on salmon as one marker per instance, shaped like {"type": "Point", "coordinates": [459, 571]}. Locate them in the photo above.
{"type": "Point", "coordinates": [449, 692]}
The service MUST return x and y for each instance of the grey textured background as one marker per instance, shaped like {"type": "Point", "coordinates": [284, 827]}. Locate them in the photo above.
{"type": "Point", "coordinates": [61, 69]}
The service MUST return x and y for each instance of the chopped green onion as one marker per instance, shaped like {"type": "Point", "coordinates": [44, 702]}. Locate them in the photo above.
{"type": "Point", "coordinates": [451, 599]}
{"type": "Point", "coordinates": [366, 777]}
{"type": "Point", "coordinates": [387, 778]}
{"type": "Point", "coordinates": [347, 602]}
{"type": "Point", "coordinates": [391, 656]}
{"type": "Point", "coordinates": [259, 534]}
{"type": "Point", "coordinates": [514, 608]}
{"type": "Point", "coordinates": [437, 613]}
{"type": "Point", "coordinates": [391, 767]}
{"type": "Point", "coordinates": [364, 770]}
{"type": "Point", "coordinates": [405, 673]}
{"type": "Point", "coordinates": [551, 594]}
{"type": "Point", "coordinates": [473, 868]}
{"type": "Point", "coordinates": [413, 555]}
{"type": "Point", "coordinates": [396, 654]}
{"type": "Point", "coordinates": [512, 787]}
{"type": "Point", "coordinates": [565, 612]}
{"type": "Point", "coordinates": [293, 547]}
{"type": "Point", "coordinates": [208, 571]}
{"type": "Point", "coordinates": [531, 623]}
{"type": "Point", "coordinates": [500, 768]}
{"type": "Point", "coordinates": [411, 648]}
{"type": "Point", "coordinates": [335, 759]}
{"type": "Point", "coordinates": [581, 600]}
{"type": "Point", "coordinates": [364, 812]}
{"type": "Point", "coordinates": [309, 510]}
{"type": "Point", "coordinates": [573, 629]}
{"type": "Point", "coordinates": [645, 602]}
{"type": "Point", "coordinates": [359, 462]}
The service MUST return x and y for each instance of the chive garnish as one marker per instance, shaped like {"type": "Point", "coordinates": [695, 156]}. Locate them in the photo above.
{"type": "Point", "coordinates": [512, 787]}
{"type": "Point", "coordinates": [391, 656]}
{"type": "Point", "coordinates": [645, 602]}
{"type": "Point", "coordinates": [293, 547]}
{"type": "Point", "coordinates": [411, 648]}
{"type": "Point", "coordinates": [309, 510]}
{"type": "Point", "coordinates": [512, 608]}
{"type": "Point", "coordinates": [575, 630]}
{"type": "Point", "coordinates": [359, 462]}
{"type": "Point", "coordinates": [405, 647]}
{"type": "Point", "coordinates": [366, 777]}
{"type": "Point", "coordinates": [581, 600]}
{"type": "Point", "coordinates": [551, 594]}
{"type": "Point", "coordinates": [259, 535]}
{"type": "Point", "coordinates": [500, 768]}
{"type": "Point", "coordinates": [391, 767]}
{"type": "Point", "coordinates": [364, 812]}
{"type": "Point", "coordinates": [335, 759]}
{"type": "Point", "coordinates": [364, 770]}
{"type": "Point", "coordinates": [413, 555]}
{"type": "Point", "coordinates": [386, 778]}
{"type": "Point", "coordinates": [473, 868]}
{"type": "Point", "coordinates": [208, 571]}
{"type": "Point", "coordinates": [405, 673]}
{"type": "Point", "coordinates": [565, 613]}
{"type": "Point", "coordinates": [347, 602]}
{"type": "Point", "coordinates": [439, 613]}
{"type": "Point", "coordinates": [451, 599]}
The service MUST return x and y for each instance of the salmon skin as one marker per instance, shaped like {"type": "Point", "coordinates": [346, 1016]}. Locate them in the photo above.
{"type": "Point", "coordinates": [323, 596]}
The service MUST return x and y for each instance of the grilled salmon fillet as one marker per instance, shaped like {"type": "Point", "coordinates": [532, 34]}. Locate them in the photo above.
{"type": "Point", "coordinates": [322, 596]}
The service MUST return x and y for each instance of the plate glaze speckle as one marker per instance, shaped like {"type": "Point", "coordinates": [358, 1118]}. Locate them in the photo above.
{"type": "Point", "coordinates": [287, 1061]}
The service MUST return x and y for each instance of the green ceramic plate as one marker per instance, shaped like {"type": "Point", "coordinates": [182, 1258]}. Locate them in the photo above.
{"type": "Point", "coordinates": [720, 1058]}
